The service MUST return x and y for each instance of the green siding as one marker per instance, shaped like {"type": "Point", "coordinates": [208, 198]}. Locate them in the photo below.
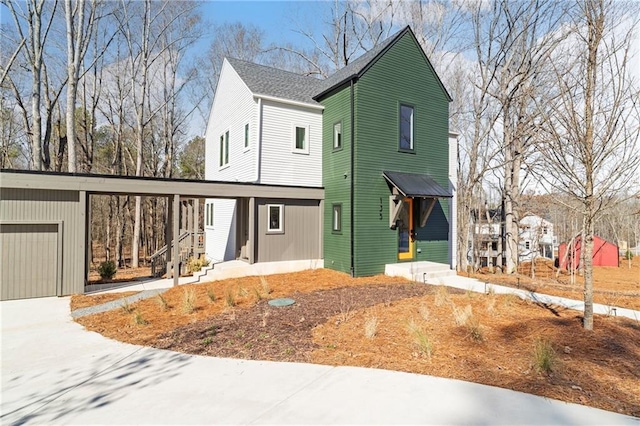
{"type": "Point", "coordinates": [400, 76]}
{"type": "Point", "coordinates": [335, 164]}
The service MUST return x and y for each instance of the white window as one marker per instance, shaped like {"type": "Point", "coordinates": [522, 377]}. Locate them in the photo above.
{"type": "Point", "coordinates": [224, 149]}
{"type": "Point", "coordinates": [545, 231]}
{"type": "Point", "coordinates": [300, 139]}
{"type": "Point", "coordinates": [337, 136]}
{"type": "Point", "coordinates": [246, 136]}
{"type": "Point", "coordinates": [406, 128]}
{"type": "Point", "coordinates": [337, 218]}
{"type": "Point", "coordinates": [208, 219]}
{"type": "Point", "coordinates": [275, 218]}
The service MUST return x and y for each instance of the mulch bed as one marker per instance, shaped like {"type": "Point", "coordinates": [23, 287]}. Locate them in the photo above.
{"type": "Point", "coordinates": [264, 332]}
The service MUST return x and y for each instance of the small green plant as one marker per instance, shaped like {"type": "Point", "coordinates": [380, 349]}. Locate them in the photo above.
{"type": "Point", "coordinates": [421, 340]}
{"type": "Point", "coordinates": [211, 295]}
{"type": "Point", "coordinates": [139, 319]}
{"type": "Point", "coordinates": [266, 289]}
{"type": "Point", "coordinates": [188, 300]}
{"type": "Point", "coordinates": [126, 307]}
{"type": "Point", "coordinates": [207, 341]}
{"type": "Point", "coordinates": [544, 356]}
{"type": "Point", "coordinates": [162, 302]}
{"type": "Point", "coordinates": [213, 330]}
{"type": "Point", "coordinates": [107, 270]}
{"type": "Point", "coordinates": [229, 298]}
{"type": "Point", "coordinates": [370, 326]}
{"type": "Point", "coordinates": [628, 255]}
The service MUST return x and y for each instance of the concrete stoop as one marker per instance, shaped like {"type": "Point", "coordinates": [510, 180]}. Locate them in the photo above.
{"type": "Point", "coordinates": [239, 268]}
{"type": "Point", "coordinates": [420, 271]}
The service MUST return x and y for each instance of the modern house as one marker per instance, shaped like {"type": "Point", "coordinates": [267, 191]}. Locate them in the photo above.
{"type": "Point", "coordinates": [536, 238]}
{"type": "Point", "coordinates": [374, 135]}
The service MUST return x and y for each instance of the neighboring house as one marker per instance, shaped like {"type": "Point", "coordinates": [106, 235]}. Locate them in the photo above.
{"type": "Point", "coordinates": [264, 128]}
{"type": "Point", "coordinates": [536, 238]}
{"type": "Point", "coordinates": [605, 253]}
{"type": "Point", "coordinates": [374, 136]}
{"type": "Point", "coordinates": [487, 240]}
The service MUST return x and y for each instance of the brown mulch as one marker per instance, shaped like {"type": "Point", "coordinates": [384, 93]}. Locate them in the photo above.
{"type": "Point", "coordinates": [265, 332]}
{"type": "Point", "coordinates": [327, 325]}
{"type": "Point", "coordinates": [614, 286]}
{"type": "Point", "coordinates": [85, 300]}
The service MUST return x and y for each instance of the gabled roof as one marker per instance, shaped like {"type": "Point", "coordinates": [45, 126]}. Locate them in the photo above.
{"type": "Point", "coordinates": [359, 66]}
{"type": "Point", "coordinates": [268, 81]}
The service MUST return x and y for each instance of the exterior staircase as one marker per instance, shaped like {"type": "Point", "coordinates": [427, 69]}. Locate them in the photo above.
{"type": "Point", "coordinates": [159, 264]}
{"type": "Point", "coordinates": [424, 272]}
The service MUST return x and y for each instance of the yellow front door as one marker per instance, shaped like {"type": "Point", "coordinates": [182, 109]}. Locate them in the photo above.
{"type": "Point", "coordinates": [406, 241]}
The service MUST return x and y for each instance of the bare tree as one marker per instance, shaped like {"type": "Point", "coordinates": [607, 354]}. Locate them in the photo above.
{"type": "Point", "coordinates": [33, 25]}
{"type": "Point", "coordinates": [590, 145]}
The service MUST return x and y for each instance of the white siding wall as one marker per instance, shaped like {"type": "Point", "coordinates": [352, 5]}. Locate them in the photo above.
{"type": "Point", "coordinates": [280, 165]}
{"type": "Point", "coordinates": [233, 107]}
{"type": "Point", "coordinates": [220, 238]}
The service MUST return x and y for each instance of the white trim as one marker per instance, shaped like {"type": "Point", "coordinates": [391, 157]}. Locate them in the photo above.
{"type": "Point", "coordinates": [280, 229]}
{"type": "Point", "coordinates": [307, 138]}
{"type": "Point", "coordinates": [288, 101]}
{"type": "Point", "coordinates": [226, 143]}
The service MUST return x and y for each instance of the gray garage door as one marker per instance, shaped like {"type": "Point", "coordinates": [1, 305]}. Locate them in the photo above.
{"type": "Point", "coordinates": [30, 265]}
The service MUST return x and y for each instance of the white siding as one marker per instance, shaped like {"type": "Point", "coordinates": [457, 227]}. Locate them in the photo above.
{"type": "Point", "coordinates": [280, 165]}
{"type": "Point", "coordinates": [233, 107]}
{"type": "Point", "coordinates": [220, 238]}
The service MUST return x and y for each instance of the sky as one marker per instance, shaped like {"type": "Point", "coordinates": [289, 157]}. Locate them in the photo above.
{"type": "Point", "coordinates": [278, 19]}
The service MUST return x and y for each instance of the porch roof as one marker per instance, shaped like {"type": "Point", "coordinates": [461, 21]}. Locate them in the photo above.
{"type": "Point", "coordinates": [416, 185]}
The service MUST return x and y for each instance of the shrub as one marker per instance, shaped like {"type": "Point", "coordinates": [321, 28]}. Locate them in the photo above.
{"type": "Point", "coordinates": [544, 356]}
{"type": "Point", "coordinates": [139, 319]}
{"type": "Point", "coordinates": [107, 270]}
{"type": "Point", "coordinates": [421, 340]}
{"type": "Point", "coordinates": [266, 289]}
{"type": "Point", "coordinates": [442, 296]}
{"type": "Point", "coordinates": [126, 307]}
{"type": "Point", "coordinates": [162, 302]}
{"type": "Point", "coordinates": [211, 295]}
{"type": "Point", "coordinates": [628, 255]}
{"type": "Point", "coordinates": [229, 298]}
{"type": "Point", "coordinates": [188, 301]}
{"type": "Point", "coordinates": [370, 326]}
{"type": "Point", "coordinates": [195, 264]}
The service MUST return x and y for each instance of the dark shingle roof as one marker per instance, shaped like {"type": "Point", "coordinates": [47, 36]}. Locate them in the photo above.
{"type": "Point", "coordinates": [268, 81]}
{"type": "Point", "coordinates": [356, 67]}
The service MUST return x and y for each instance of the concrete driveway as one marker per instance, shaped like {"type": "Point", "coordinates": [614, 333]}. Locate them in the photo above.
{"type": "Point", "coordinates": [55, 372]}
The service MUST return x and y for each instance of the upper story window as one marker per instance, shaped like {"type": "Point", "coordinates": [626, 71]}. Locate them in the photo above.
{"type": "Point", "coordinates": [301, 139]}
{"type": "Point", "coordinates": [275, 213]}
{"type": "Point", "coordinates": [224, 149]}
{"type": "Point", "coordinates": [406, 128]}
{"type": "Point", "coordinates": [246, 135]}
{"type": "Point", "coordinates": [337, 136]}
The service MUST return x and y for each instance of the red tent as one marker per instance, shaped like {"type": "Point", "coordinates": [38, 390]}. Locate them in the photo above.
{"type": "Point", "coordinates": [604, 253]}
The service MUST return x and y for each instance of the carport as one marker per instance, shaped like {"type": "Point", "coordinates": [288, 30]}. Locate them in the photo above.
{"type": "Point", "coordinates": [44, 222]}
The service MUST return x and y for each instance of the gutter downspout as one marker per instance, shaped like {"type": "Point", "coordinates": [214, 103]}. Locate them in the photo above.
{"type": "Point", "coordinates": [351, 212]}
{"type": "Point", "coordinates": [258, 142]}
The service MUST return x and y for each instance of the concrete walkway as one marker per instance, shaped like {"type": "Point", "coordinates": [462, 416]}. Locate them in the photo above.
{"type": "Point", "coordinates": [55, 372]}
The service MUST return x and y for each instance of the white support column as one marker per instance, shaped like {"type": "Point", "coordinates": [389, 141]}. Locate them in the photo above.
{"type": "Point", "coordinates": [176, 235]}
